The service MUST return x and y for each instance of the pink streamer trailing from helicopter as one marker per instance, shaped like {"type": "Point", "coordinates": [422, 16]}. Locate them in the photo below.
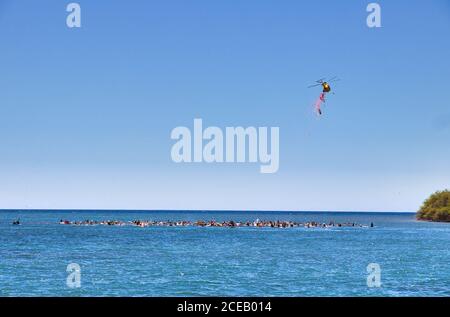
{"type": "Point", "coordinates": [319, 102]}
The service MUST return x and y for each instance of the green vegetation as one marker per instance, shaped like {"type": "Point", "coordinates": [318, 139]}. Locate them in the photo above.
{"type": "Point", "coordinates": [436, 208]}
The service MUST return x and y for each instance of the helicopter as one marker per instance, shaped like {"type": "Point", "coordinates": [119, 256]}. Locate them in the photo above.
{"type": "Point", "coordinates": [325, 83]}
{"type": "Point", "coordinates": [326, 89]}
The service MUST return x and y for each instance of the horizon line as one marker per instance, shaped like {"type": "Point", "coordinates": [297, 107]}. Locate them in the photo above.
{"type": "Point", "coordinates": [204, 210]}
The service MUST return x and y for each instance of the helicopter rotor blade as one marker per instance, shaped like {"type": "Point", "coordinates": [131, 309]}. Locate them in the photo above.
{"type": "Point", "coordinates": [334, 80]}
{"type": "Point", "coordinates": [314, 85]}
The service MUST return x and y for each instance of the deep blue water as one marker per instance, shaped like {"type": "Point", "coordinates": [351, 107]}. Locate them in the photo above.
{"type": "Point", "coordinates": [129, 261]}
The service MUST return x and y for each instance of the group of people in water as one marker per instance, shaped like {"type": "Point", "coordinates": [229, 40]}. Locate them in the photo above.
{"type": "Point", "coordinates": [212, 223]}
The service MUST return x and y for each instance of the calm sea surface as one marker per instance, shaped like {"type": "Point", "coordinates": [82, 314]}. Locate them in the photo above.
{"type": "Point", "coordinates": [156, 261]}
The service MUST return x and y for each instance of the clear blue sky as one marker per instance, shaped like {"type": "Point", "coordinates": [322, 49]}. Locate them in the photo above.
{"type": "Point", "coordinates": [86, 114]}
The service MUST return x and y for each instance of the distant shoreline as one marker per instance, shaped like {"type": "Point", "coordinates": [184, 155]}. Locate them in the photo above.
{"type": "Point", "coordinates": [432, 221]}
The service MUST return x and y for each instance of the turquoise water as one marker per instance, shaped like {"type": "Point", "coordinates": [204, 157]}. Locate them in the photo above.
{"type": "Point", "coordinates": [157, 261]}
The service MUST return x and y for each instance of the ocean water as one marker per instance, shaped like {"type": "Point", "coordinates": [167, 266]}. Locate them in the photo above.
{"type": "Point", "coordinates": [414, 257]}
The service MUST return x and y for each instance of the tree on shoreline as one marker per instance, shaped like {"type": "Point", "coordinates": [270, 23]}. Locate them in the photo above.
{"type": "Point", "coordinates": [436, 207]}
